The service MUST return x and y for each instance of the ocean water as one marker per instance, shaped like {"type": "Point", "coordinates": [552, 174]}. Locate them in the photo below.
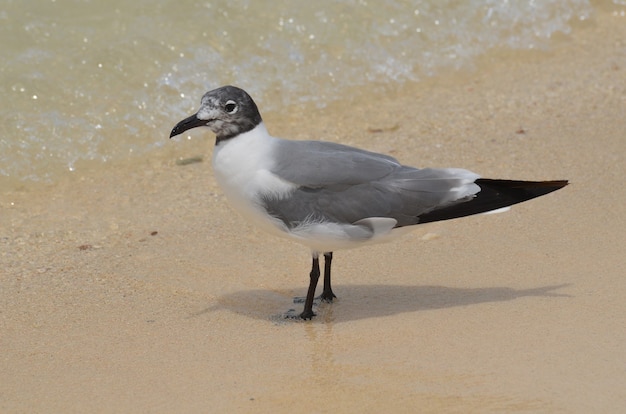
{"type": "Point", "coordinates": [84, 83]}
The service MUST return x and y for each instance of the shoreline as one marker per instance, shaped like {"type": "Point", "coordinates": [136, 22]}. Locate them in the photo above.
{"type": "Point", "coordinates": [138, 288]}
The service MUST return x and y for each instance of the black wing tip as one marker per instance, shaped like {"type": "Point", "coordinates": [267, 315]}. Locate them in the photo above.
{"type": "Point", "coordinates": [557, 184]}
{"type": "Point", "coordinates": [552, 183]}
{"type": "Point", "coordinates": [525, 184]}
{"type": "Point", "coordinates": [495, 194]}
{"type": "Point", "coordinates": [538, 188]}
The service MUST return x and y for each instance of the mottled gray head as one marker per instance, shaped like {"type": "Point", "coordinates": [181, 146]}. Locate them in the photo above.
{"type": "Point", "coordinates": [228, 111]}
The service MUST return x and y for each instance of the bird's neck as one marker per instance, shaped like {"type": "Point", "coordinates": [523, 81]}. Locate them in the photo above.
{"type": "Point", "coordinates": [238, 159]}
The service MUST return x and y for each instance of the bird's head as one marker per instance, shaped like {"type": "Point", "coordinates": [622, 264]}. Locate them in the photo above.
{"type": "Point", "coordinates": [228, 111]}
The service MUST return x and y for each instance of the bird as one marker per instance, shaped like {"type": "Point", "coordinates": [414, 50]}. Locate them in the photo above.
{"type": "Point", "coordinates": [328, 196]}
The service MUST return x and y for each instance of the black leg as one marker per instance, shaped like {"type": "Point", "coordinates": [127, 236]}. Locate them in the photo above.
{"type": "Point", "coordinates": [327, 293]}
{"type": "Point", "coordinates": [307, 313]}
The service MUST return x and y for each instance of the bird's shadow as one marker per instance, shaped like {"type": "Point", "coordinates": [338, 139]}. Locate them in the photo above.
{"type": "Point", "coordinates": [372, 301]}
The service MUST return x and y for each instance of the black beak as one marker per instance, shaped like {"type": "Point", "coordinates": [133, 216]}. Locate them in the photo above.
{"type": "Point", "coordinates": [186, 124]}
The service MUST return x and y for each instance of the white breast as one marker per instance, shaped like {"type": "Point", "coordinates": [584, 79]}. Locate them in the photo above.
{"type": "Point", "coordinates": [242, 167]}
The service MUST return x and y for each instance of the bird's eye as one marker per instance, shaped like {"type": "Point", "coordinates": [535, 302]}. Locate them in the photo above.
{"type": "Point", "coordinates": [230, 107]}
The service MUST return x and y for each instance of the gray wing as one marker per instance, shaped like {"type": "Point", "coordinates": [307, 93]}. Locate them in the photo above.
{"type": "Point", "coordinates": [344, 185]}
{"type": "Point", "coordinates": [318, 164]}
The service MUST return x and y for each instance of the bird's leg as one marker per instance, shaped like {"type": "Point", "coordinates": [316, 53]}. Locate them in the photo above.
{"type": "Point", "coordinates": [327, 293]}
{"type": "Point", "coordinates": [307, 313]}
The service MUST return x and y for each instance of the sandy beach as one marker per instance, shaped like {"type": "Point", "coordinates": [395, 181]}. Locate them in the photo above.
{"type": "Point", "coordinates": [136, 288]}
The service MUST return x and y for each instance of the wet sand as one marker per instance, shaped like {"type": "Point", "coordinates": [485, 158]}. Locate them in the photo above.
{"type": "Point", "coordinates": [137, 289]}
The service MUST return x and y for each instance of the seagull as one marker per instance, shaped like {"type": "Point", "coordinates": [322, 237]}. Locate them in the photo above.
{"type": "Point", "coordinates": [329, 196]}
